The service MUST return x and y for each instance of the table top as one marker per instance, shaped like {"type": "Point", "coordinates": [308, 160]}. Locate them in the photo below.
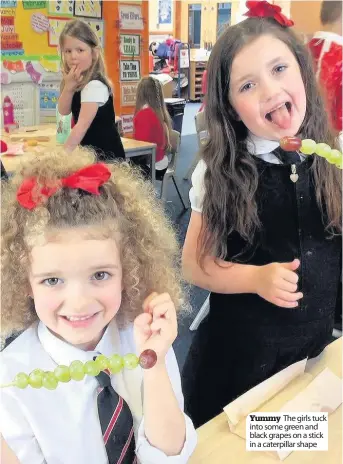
{"type": "Point", "coordinates": [217, 445]}
{"type": "Point", "coordinates": [11, 163]}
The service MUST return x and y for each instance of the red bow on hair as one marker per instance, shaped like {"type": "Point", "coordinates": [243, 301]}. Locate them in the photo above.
{"type": "Point", "coordinates": [89, 179]}
{"type": "Point", "coordinates": [263, 9]}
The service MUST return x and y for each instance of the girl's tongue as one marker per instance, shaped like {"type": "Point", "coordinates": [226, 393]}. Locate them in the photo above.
{"type": "Point", "coordinates": [281, 117]}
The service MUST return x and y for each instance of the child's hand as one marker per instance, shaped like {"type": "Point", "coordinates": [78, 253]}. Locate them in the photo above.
{"type": "Point", "coordinates": [72, 79]}
{"type": "Point", "coordinates": [277, 283]}
{"type": "Point", "coordinates": [156, 327]}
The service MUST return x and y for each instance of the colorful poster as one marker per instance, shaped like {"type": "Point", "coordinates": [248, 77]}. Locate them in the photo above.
{"type": "Point", "coordinates": [164, 11]}
{"type": "Point", "coordinates": [130, 44]}
{"type": "Point", "coordinates": [130, 70]}
{"type": "Point", "coordinates": [48, 98]}
{"type": "Point", "coordinates": [55, 29]}
{"type": "Point", "coordinates": [98, 28]}
{"type": "Point", "coordinates": [127, 123]}
{"type": "Point", "coordinates": [88, 8]}
{"type": "Point", "coordinates": [128, 94]}
{"type": "Point", "coordinates": [130, 17]}
{"type": "Point", "coordinates": [39, 23]}
{"type": "Point", "coordinates": [33, 4]}
{"type": "Point", "coordinates": [61, 7]}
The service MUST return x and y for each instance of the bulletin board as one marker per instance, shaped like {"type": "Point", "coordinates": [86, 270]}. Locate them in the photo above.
{"type": "Point", "coordinates": [30, 60]}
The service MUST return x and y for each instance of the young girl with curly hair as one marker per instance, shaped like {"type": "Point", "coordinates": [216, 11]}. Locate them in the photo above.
{"type": "Point", "coordinates": [89, 264]}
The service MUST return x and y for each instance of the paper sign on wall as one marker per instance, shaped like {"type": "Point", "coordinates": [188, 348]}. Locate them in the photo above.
{"type": "Point", "coordinates": [130, 17]}
{"type": "Point", "coordinates": [88, 9]}
{"type": "Point", "coordinates": [130, 44]}
{"type": "Point", "coordinates": [39, 23]}
{"type": "Point", "coordinates": [127, 123]}
{"type": "Point", "coordinates": [128, 94]}
{"type": "Point", "coordinates": [55, 29]}
{"type": "Point", "coordinates": [130, 70]}
{"type": "Point", "coordinates": [34, 5]}
{"type": "Point", "coordinates": [60, 8]}
{"type": "Point", "coordinates": [184, 59]}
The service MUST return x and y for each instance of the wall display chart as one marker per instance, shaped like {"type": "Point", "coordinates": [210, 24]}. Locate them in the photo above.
{"type": "Point", "coordinates": [30, 63]}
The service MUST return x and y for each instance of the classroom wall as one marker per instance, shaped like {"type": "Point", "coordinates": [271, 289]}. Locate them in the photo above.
{"type": "Point", "coordinates": [154, 25]}
{"type": "Point", "coordinates": [306, 16]}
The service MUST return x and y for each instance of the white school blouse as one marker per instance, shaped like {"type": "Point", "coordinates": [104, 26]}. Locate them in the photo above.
{"type": "Point", "coordinates": [62, 426]}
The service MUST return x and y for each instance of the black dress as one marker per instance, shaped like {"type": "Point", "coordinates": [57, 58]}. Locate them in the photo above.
{"type": "Point", "coordinates": [102, 135]}
{"type": "Point", "coordinates": [245, 339]}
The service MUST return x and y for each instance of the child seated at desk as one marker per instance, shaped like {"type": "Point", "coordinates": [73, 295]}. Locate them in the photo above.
{"type": "Point", "coordinates": [152, 123]}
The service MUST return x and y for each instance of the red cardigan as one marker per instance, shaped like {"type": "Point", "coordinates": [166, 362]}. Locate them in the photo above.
{"type": "Point", "coordinates": [326, 49]}
{"type": "Point", "coordinates": [148, 128]}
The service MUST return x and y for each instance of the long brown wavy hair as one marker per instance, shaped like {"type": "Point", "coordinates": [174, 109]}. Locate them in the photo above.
{"type": "Point", "coordinates": [81, 31]}
{"type": "Point", "coordinates": [150, 92]}
{"type": "Point", "coordinates": [231, 177]}
{"type": "Point", "coordinates": [126, 209]}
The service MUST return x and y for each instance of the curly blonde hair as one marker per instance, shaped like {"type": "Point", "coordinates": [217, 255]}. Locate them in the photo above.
{"type": "Point", "coordinates": [126, 209]}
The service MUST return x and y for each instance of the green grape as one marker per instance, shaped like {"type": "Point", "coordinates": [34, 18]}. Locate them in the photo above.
{"type": "Point", "coordinates": [76, 370]}
{"type": "Point", "coordinates": [102, 362]}
{"type": "Point", "coordinates": [49, 381]}
{"type": "Point", "coordinates": [323, 149]}
{"type": "Point", "coordinates": [62, 373]}
{"type": "Point", "coordinates": [115, 363]}
{"type": "Point", "coordinates": [91, 368]}
{"type": "Point", "coordinates": [36, 378]}
{"type": "Point", "coordinates": [339, 163]}
{"type": "Point", "coordinates": [21, 380]}
{"type": "Point", "coordinates": [308, 147]}
{"type": "Point", "coordinates": [334, 156]}
{"type": "Point", "coordinates": [130, 361]}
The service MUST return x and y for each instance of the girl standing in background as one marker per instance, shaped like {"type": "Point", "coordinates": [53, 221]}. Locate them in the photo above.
{"type": "Point", "coordinates": [86, 92]}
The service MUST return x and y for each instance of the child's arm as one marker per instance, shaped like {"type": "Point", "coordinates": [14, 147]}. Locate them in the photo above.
{"type": "Point", "coordinates": [87, 114]}
{"type": "Point", "coordinates": [275, 282]}
{"type": "Point", "coordinates": [164, 421]}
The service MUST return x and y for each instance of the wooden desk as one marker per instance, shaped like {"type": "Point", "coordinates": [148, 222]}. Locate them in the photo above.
{"type": "Point", "coordinates": [132, 147]}
{"type": "Point", "coordinates": [217, 445]}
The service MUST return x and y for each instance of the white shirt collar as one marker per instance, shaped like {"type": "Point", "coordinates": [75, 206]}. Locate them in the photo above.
{"type": "Point", "coordinates": [127, 383]}
{"type": "Point", "coordinates": [259, 146]}
{"type": "Point", "coordinates": [64, 353]}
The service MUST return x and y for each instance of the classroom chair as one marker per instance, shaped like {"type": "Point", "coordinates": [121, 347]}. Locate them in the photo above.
{"type": "Point", "coordinates": [175, 139]}
{"type": "Point", "coordinates": [200, 127]}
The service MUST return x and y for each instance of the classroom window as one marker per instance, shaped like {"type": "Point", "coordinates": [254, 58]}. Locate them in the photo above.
{"type": "Point", "coordinates": [223, 17]}
{"type": "Point", "coordinates": [194, 25]}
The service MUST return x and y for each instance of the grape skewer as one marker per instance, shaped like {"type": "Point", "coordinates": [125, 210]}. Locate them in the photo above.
{"type": "Point", "coordinates": [77, 370]}
{"type": "Point", "coordinates": [310, 147]}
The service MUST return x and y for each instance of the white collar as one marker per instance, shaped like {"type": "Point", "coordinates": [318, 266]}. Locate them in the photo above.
{"type": "Point", "coordinates": [64, 353]}
{"type": "Point", "coordinates": [127, 383]}
{"type": "Point", "coordinates": [259, 146]}
{"type": "Point", "coordinates": [329, 36]}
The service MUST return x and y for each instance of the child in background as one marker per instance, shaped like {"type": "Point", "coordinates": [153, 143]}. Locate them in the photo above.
{"type": "Point", "coordinates": [82, 248]}
{"type": "Point", "coordinates": [152, 122]}
{"type": "Point", "coordinates": [86, 92]}
{"type": "Point", "coordinates": [265, 231]}
{"type": "Point", "coordinates": [326, 47]}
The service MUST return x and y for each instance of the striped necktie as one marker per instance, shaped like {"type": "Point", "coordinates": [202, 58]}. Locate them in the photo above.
{"type": "Point", "coordinates": [116, 423]}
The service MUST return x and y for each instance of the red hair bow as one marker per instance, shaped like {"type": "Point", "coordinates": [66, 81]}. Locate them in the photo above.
{"type": "Point", "coordinates": [263, 9]}
{"type": "Point", "coordinates": [89, 179]}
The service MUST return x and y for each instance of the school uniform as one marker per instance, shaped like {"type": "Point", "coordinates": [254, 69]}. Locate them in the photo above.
{"type": "Point", "coordinates": [245, 339]}
{"type": "Point", "coordinates": [62, 426]}
{"type": "Point", "coordinates": [102, 135]}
